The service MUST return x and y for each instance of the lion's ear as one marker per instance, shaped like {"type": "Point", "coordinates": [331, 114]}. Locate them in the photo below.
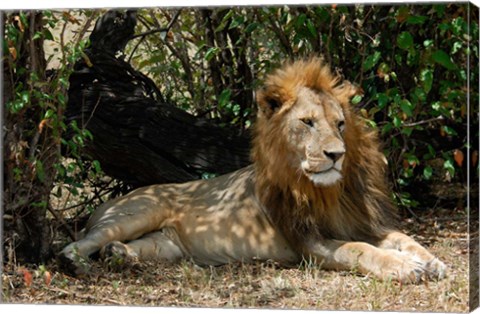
{"type": "Point", "coordinates": [268, 103]}
{"type": "Point", "coordinates": [346, 91]}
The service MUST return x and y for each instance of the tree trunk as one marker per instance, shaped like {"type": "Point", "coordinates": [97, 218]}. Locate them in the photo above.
{"type": "Point", "coordinates": [29, 150]}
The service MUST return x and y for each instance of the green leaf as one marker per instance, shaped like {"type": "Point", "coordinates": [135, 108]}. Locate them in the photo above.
{"type": "Point", "coordinates": [356, 99]}
{"type": "Point", "coordinates": [448, 165]}
{"type": "Point", "coordinates": [407, 107]}
{"type": "Point", "coordinates": [24, 18]}
{"type": "Point", "coordinates": [49, 114]}
{"type": "Point", "coordinates": [224, 98]}
{"type": "Point", "coordinates": [40, 171]}
{"type": "Point", "coordinates": [407, 131]}
{"type": "Point", "coordinates": [449, 130]}
{"type": "Point", "coordinates": [371, 124]}
{"type": "Point", "coordinates": [47, 34]}
{"type": "Point", "coordinates": [436, 106]}
{"type": "Point", "coordinates": [405, 40]}
{"type": "Point", "coordinates": [87, 134]}
{"type": "Point", "coordinates": [61, 99]}
{"type": "Point", "coordinates": [457, 25]}
{"type": "Point", "coordinates": [16, 106]}
{"type": "Point", "coordinates": [236, 109]}
{"type": "Point", "coordinates": [414, 20]}
{"type": "Point", "coordinates": [79, 140]}
{"type": "Point", "coordinates": [37, 35]}
{"type": "Point", "coordinates": [25, 97]}
{"type": "Point", "coordinates": [382, 100]}
{"type": "Point", "coordinates": [396, 121]}
{"type": "Point", "coordinates": [236, 22]}
{"type": "Point", "coordinates": [96, 165]}
{"type": "Point", "coordinates": [228, 15]}
{"type": "Point", "coordinates": [442, 58]}
{"type": "Point", "coordinates": [456, 47]}
{"type": "Point", "coordinates": [371, 60]}
{"type": "Point", "coordinates": [426, 77]}
{"type": "Point", "coordinates": [431, 151]}
{"type": "Point", "coordinates": [211, 52]}
{"type": "Point", "coordinates": [224, 21]}
{"type": "Point", "coordinates": [428, 43]}
{"type": "Point", "coordinates": [311, 27]}
{"type": "Point", "coordinates": [300, 20]}
{"type": "Point", "coordinates": [40, 204]}
{"type": "Point", "coordinates": [386, 128]}
{"type": "Point", "coordinates": [412, 159]}
{"type": "Point", "coordinates": [251, 27]}
{"type": "Point", "coordinates": [60, 171]}
{"type": "Point", "coordinates": [208, 175]}
{"type": "Point", "coordinates": [440, 9]}
{"type": "Point", "coordinates": [427, 172]}
{"type": "Point", "coordinates": [419, 95]}
{"type": "Point", "coordinates": [62, 81]}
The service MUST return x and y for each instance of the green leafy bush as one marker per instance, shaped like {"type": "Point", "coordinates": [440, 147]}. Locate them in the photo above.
{"type": "Point", "coordinates": [35, 150]}
{"type": "Point", "coordinates": [411, 61]}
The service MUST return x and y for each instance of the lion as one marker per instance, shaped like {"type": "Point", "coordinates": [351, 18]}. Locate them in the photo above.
{"type": "Point", "coordinates": [316, 191]}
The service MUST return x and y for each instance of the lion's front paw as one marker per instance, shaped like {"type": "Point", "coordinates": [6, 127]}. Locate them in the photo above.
{"type": "Point", "coordinates": [402, 267]}
{"type": "Point", "coordinates": [409, 268]}
{"type": "Point", "coordinates": [435, 269]}
{"type": "Point", "coordinates": [116, 255]}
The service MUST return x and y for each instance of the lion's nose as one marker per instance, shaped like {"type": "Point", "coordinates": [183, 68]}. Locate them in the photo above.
{"type": "Point", "coordinates": [334, 155]}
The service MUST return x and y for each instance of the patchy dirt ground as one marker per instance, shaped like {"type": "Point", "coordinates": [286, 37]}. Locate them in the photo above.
{"type": "Point", "coordinates": [263, 285]}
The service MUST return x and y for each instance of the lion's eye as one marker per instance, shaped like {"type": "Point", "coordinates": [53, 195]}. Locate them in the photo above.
{"type": "Point", "coordinates": [307, 121]}
{"type": "Point", "coordinates": [341, 126]}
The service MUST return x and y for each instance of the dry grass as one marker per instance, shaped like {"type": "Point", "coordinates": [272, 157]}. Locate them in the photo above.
{"type": "Point", "coordinates": [262, 285]}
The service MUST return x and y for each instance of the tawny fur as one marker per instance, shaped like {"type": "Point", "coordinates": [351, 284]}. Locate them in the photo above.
{"type": "Point", "coordinates": [316, 190]}
{"type": "Point", "coordinates": [353, 209]}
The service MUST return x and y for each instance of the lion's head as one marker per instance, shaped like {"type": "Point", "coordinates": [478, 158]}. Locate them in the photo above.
{"type": "Point", "coordinates": [317, 164]}
{"type": "Point", "coordinates": [302, 123]}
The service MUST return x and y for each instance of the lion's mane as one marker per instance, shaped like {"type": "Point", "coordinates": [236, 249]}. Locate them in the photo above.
{"type": "Point", "coordinates": [358, 208]}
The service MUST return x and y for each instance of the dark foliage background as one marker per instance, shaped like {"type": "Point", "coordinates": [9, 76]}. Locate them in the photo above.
{"type": "Point", "coordinates": [412, 62]}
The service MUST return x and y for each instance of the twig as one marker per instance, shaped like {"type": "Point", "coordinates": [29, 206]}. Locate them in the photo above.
{"type": "Point", "coordinates": [84, 296]}
{"type": "Point", "coordinates": [415, 216]}
{"type": "Point", "coordinates": [281, 35]}
{"type": "Point", "coordinates": [62, 43]}
{"type": "Point", "coordinates": [63, 223]}
{"type": "Point", "coordinates": [441, 118]}
{"type": "Point", "coordinates": [153, 31]}
{"type": "Point", "coordinates": [33, 58]}
{"type": "Point", "coordinates": [185, 64]}
{"type": "Point", "coordinates": [84, 125]}
{"type": "Point", "coordinates": [85, 28]}
{"type": "Point", "coordinates": [150, 32]}
{"type": "Point", "coordinates": [33, 144]}
{"type": "Point", "coordinates": [98, 196]}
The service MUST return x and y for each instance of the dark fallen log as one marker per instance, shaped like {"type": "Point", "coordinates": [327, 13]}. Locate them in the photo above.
{"type": "Point", "coordinates": [138, 137]}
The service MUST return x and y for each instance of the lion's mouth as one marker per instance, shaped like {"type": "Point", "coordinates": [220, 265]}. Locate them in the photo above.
{"type": "Point", "coordinates": [326, 177]}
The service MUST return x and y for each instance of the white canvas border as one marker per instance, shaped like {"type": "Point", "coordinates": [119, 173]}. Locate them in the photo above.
{"type": "Point", "coordinates": [59, 4]}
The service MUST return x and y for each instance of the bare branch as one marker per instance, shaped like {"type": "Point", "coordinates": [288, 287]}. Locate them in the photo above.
{"type": "Point", "coordinates": [153, 31]}
{"type": "Point", "coordinates": [440, 118]}
{"type": "Point", "coordinates": [70, 232]}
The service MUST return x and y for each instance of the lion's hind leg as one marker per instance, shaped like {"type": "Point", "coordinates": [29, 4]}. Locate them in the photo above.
{"type": "Point", "coordinates": [123, 219]}
{"type": "Point", "coordinates": [433, 267]}
{"type": "Point", "coordinates": [74, 257]}
{"type": "Point", "coordinates": [152, 246]}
